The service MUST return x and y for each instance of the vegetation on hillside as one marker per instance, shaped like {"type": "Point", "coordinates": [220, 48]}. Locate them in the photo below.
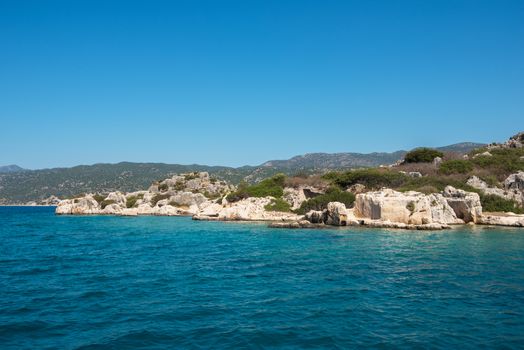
{"type": "Point", "coordinates": [422, 155]}
{"type": "Point", "coordinates": [320, 202]}
{"type": "Point", "coordinates": [273, 186]}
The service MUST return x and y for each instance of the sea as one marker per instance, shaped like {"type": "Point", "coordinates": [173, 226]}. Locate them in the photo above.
{"type": "Point", "coordinates": [107, 282]}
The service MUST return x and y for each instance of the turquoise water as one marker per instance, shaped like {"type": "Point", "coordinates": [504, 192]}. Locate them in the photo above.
{"type": "Point", "coordinates": [165, 282]}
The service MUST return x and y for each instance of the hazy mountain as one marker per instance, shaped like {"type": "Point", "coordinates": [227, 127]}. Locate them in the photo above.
{"type": "Point", "coordinates": [21, 186]}
{"type": "Point", "coordinates": [463, 147]}
{"type": "Point", "coordinates": [10, 168]}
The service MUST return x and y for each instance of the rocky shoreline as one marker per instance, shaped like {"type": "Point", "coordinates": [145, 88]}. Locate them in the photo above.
{"type": "Point", "coordinates": [204, 198]}
{"type": "Point", "coordinates": [279, 202]}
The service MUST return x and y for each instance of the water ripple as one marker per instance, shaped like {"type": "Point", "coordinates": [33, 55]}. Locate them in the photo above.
{"type": "Point", "coordinates": [158, 282]}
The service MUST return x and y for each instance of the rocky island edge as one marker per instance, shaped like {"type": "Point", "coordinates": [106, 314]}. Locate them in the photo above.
{"type": "Point", "coordinates": [429, 189]}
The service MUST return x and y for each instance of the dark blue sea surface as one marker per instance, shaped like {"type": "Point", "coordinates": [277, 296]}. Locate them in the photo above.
{"type": "Point", "coordinates": [102, 282]}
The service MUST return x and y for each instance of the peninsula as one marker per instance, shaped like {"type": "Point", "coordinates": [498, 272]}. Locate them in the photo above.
{"type": "Point", "coordinates": [428, 189]}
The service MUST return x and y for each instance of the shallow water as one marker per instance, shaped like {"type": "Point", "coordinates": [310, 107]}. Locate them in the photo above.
{"type": "Point", "coordinates": [164, 282]}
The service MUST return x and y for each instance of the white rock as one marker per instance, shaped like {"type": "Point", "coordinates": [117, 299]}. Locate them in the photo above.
{"type": "Point", "coordinates": [412, 208]}
{"type": "Point", "coordinates": [466, 205]}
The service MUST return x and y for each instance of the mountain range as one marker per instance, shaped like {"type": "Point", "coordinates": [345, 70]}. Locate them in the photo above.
{"type": "Point", "coordinates": [20, 186]}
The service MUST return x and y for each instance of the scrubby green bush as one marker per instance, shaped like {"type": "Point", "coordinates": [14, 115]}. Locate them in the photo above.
{"type": "Point", "coordinates": [502, 162]}
{"type": "Point", "coordinates": [491, 203]}
{"type": "Point", "coordinates": [278, 204]}
{"type": "Point", "coordinates": [163, 187]}
{"type": "Point", "coordinates": [422, 155]}
{"type": "Point", "coordinates": [432, 184]}
{"type": "Point", "coordinates": [456, 166]}
{"type": "Point", "coordinates": [131, 201]}
{"type": "Point", "coordinates": [106, 202]}
{"type": "Point", "coordinates": [320, 202]}
{"type": "Point", "coordinates": [157, 198]}
{"type": "Point", "coordinates": [371, 178]}
{"type": "Point", "coordinates": [273, 186]}
{"type": "Point", "coordinates": [99, 198]}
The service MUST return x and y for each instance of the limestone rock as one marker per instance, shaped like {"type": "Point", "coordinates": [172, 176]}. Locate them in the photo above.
{"type": "Point", "coordinates": [508, 219]}
{"type": "Point", "coordinates": [315, 217]}
{"type": "Point", "coordinates": [336, 214]}
{"type": "Point", "coordinates": [356, 189]}
{"type": "Point", "coordinates": [510, 191]}
{"type": "Point", "coordinates": [249, 209]}
{"type": "Point", "coordinates": [466, 205]}
{"type": "Point", "coordinates": [409, 207]}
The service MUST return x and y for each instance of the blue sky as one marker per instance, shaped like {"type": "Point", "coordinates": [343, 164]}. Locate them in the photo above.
{"type": "Point", "coordinates": [241, 82]}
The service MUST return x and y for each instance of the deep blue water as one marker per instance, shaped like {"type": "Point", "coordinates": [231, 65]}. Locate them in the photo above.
{"type": "Point", "coordinates": [165, 282]}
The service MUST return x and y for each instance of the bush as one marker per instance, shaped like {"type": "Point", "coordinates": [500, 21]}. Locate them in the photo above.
{"type": "Point", "coordinates": [274, 187]}
{"type": "Point", "coordinates": [106, 202]}
{"type": "Point", "coordinates": [491, 203]}
{"type": "Point", "coordinates": [320, 202]}
{"type": "Point", "coordinates": [278, 204]}
{"type": "Point", "coordinates": [503, 161]}
{"type": "Point", "coordinates": [163, 187]}
{"type": "Point", "coordinates": [456, 166]}
{"type": "Point", "coordinates": [131, 201]}
{"type": "Point", "coordinates": [432, 184]}
{"type": "Point", "coordinates": [99, 198]}
{"type": "Point", "coordinates": [157, 198]}
{"type": "Point", "coordinates": [422, 155]}
{"type": "Point", "coordinates": [371, 178]}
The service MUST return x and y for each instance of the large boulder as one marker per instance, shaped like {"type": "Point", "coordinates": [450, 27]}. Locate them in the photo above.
{"type": "Point", "coordinates": [411, 207]}
{"type": "Point", "coordinates": [515, 182]}
{"type": "Point", "coordinates": [78, 206]}
{"type": "Point", "coordinates": [466, 205]}
{"type": "Point", "coordinates": [336, 214]}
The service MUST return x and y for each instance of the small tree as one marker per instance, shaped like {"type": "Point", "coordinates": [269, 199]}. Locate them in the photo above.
{"type": "Point", "coordinates": [422, 155]}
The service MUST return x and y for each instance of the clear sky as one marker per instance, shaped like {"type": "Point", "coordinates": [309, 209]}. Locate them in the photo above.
{"type": "Point", "coordinates": [241, 82]}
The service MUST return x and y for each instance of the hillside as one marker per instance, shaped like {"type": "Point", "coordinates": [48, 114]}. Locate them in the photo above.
{"type": "Point", "coordinates": [36, 185]}
{"type": "Point", "coordinates": [10, 169]}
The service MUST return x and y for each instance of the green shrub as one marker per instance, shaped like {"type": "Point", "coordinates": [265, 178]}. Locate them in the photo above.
{"type": "Point", "coordinates": [456, 166]}
{"type": "Point", "coordinates": [157, 198]}
{"type": "Point", "coordinates": [278, 204]}
{"type": "Point", "coordinates": [503, 161]}
{"type": "Point", "coordinates": [371, 178]}
{"type": "Point", "coordinates": [131, 201]}
{"type": "Point", "coordinates": [432, 184]}
{"type": "Point", "coordinates": [422, 155]}
{"type": "Point", "coordinates": [410, 206]}
{"type": "Point", "coordinates": [492, 203]}
{"type": "Point", "coordinates": [320, 202]}
{"type": "Point", "coordinates": [106, 202]}
{"type": "Point", "coordinates": [273, 186]}
{"type": "Point", "coordinates": [163, 187]}
{"type": "Point", "coordinates": [99, 198]}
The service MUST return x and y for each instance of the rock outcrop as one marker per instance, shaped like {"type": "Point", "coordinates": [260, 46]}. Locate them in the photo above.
{"type": "Point", "coordinates": [295, 196]}
{"type": "Point", "coordinates": [515, 141]}
{"type": "Point", "coordinates": [409, 208]}
{"type": "Point", "coordinates": [513, 187]}
{"type": "Point", "coordinates": [466, 205]}
{"type": "Point", "coordinates": [248, 209]}
{"type": "Point", "coordinates": [180, 195]}
{"type": "Point", "coordinates": [505, 219]}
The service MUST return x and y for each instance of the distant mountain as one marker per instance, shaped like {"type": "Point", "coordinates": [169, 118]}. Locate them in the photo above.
{"type": "Point", "coordinates": [10, 168]}
{"type": "Point", "coordinates": [463, 147]}
{"type": "Point", "coordinates": [22, 186]}
{"type": "Point", "coordinates": [336, 160]}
